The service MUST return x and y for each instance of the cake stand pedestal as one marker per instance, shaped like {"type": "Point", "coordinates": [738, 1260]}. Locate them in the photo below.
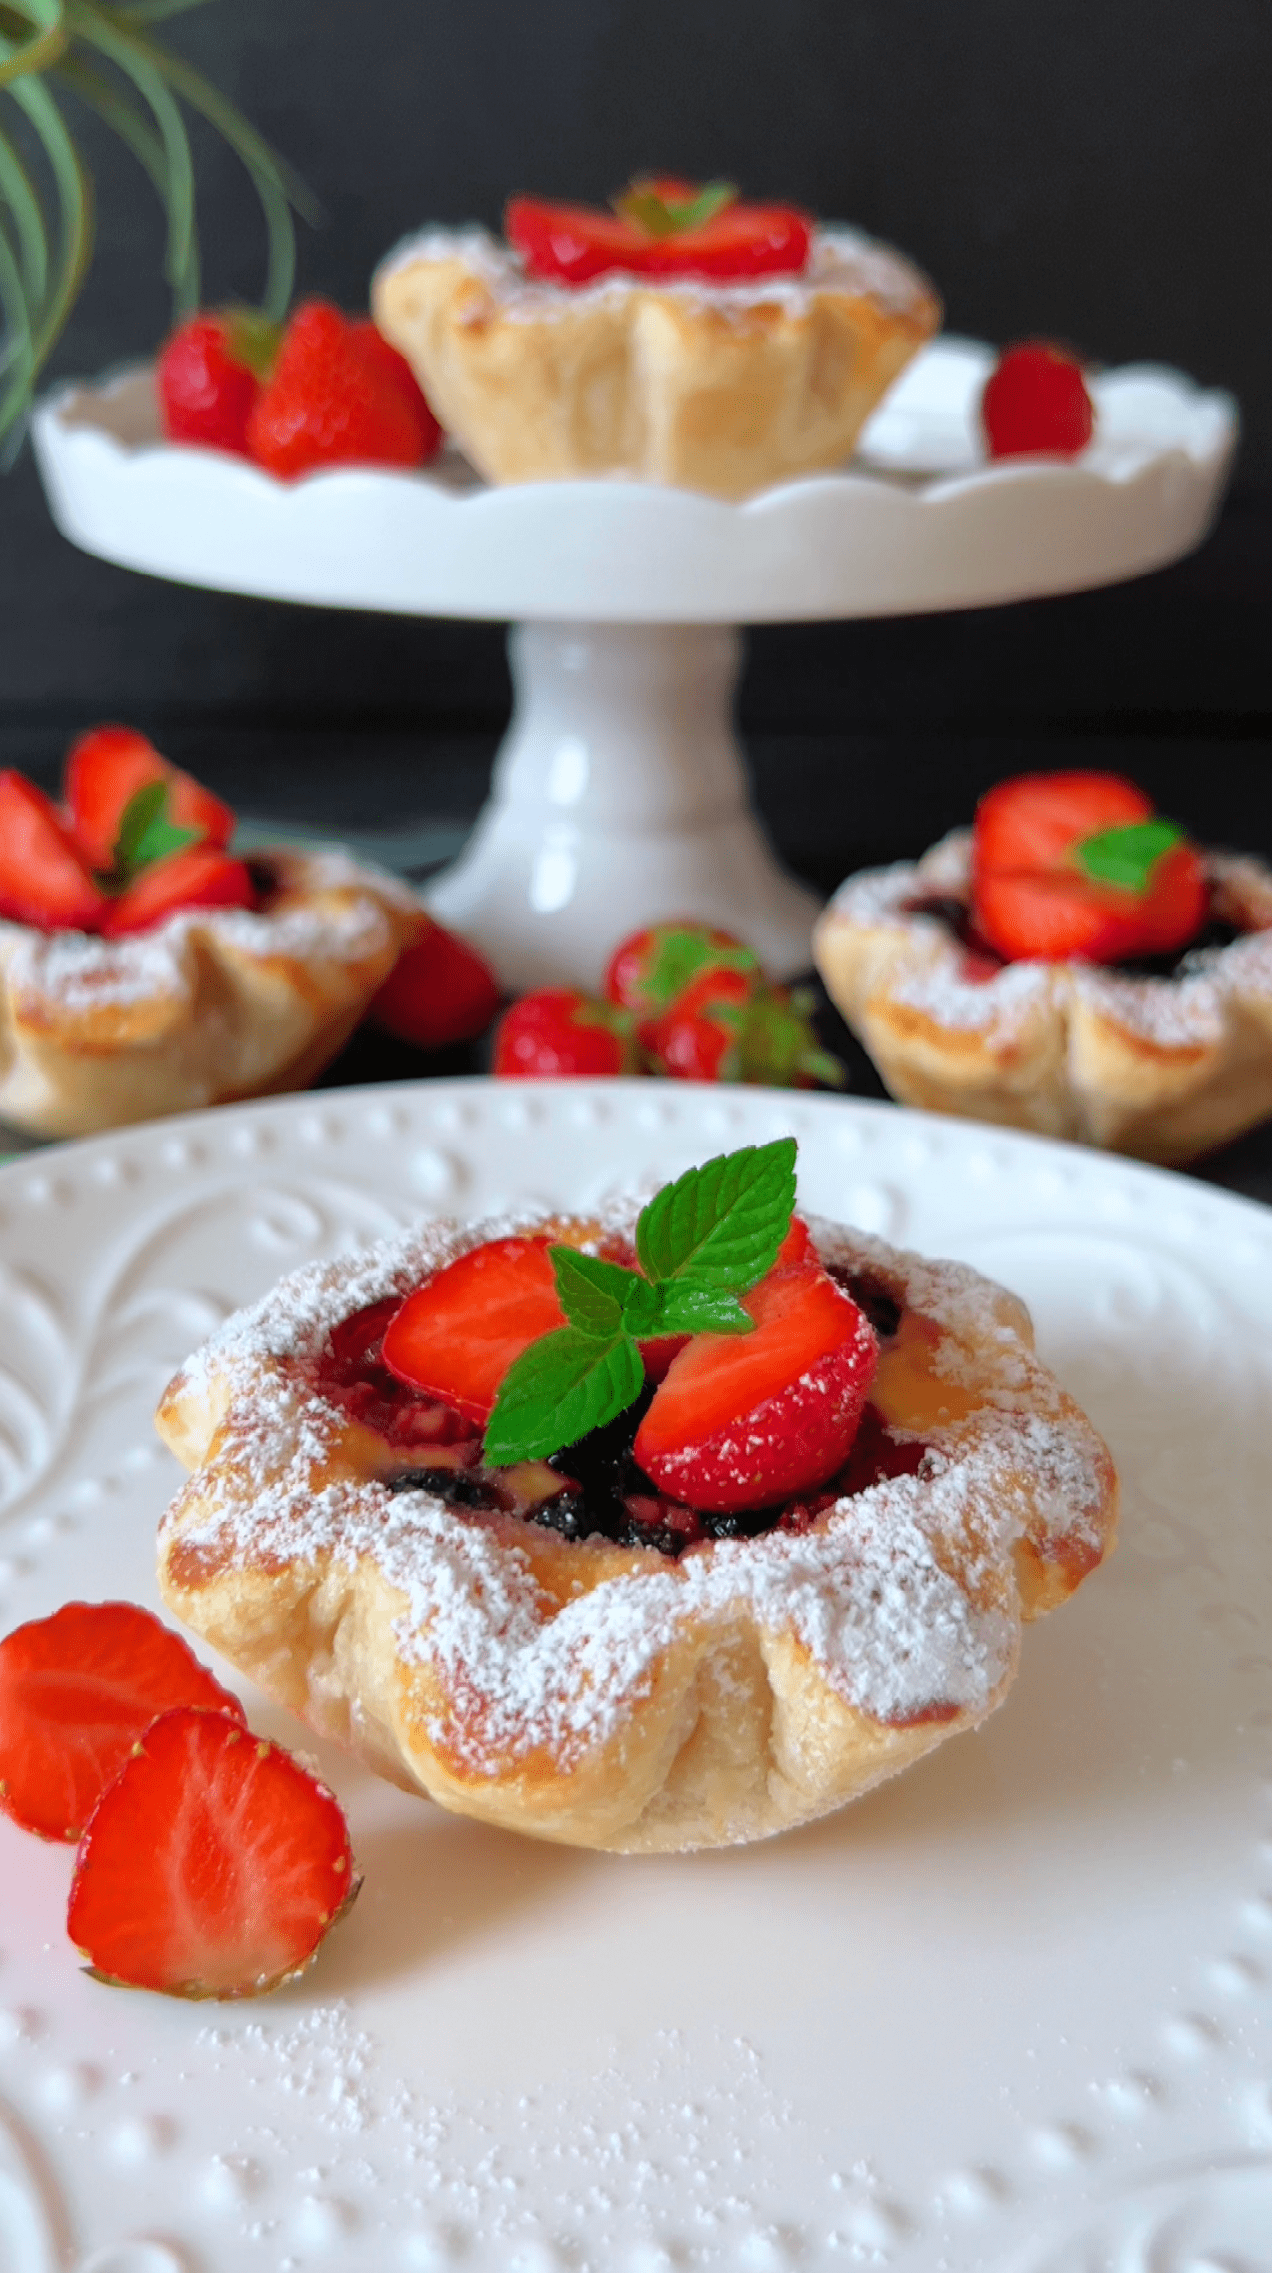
{"type": "Point", "coordinates": [620, 791]}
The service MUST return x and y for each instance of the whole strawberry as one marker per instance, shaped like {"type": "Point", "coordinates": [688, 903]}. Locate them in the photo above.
{"type": "Point", "coordinates": [727, 1027]}
{"type": "Point", "coordinates": [210, 373]}
{"type": "Point", "coordinates": [650, 970]}
{"type": "Point", "coordinates": [558, 1033]}
{"type": "Point", "coordinates": [339, 395]}
{"type": "Point", "coordinates": [1036, 402]}
{"type": "Point", "coordinates": [439, 991]}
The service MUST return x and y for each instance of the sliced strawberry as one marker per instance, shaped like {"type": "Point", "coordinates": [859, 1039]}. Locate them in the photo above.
{"type": "Point", "coordinates": [107, 767]}
{"type": "Point", "coordinates": [1034, 894]}
{"type": "Point", "coordinates": [352, 1374]}
{"type": "Point", "coordinates": [743, 1420]}
{"type": "Point", "coordinates": [212, 1866]}
{"type": "Point", "coordinates": [1057, 918]}
{"type": "Point", "coordinates": [1035, 820]}
{"type": "Point", "coordinates": [1036, 401]}
{"type": "Point", "coordinates": [456, 1337]}
{"type": "Point", "coordinates": [199, 877]}
{"type": "Point", "coordinates": [76, 1692]}
{"type": "Point", "coordinates": [43, 879]}
{"type": "Point", "coordinates": [439, 991]}
{"type": "Point", "coordinates": [570, 244]}
{"type": "Point", "coordinates": [650, 970]}
{"type": "Point", "coordinates": [1033, 917]}
{"type": "Point", "coordinates": [558, 1034]}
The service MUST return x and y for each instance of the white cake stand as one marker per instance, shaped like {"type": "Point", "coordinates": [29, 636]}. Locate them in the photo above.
{"type": "Point", "coordinates": [620, 793]}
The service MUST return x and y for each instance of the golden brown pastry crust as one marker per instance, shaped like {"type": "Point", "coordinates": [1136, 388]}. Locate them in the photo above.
{"type": "Point", "coordinates": [210, 1006]}
{"type": "Point", "coordinates": [726, 389]}
{"type": "Point", "coordinates": [605, 1695]}
{"type": "Point", "coordinates": [1163, 1068]}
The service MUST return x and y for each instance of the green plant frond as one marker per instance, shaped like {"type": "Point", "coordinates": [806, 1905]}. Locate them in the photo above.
{"type": "Point", "coordinates": [133, 127]}
{"type": "Point", "coordinates": [130, 53]}
{"type": "Point", "coordinates": [48, 38]}
{"type": "Point", "coordinates": [18, 194]}
{"type": "Point", "coordinates": [141, 12]}
{"type": "Point", "coordinates": [276, 186]}
{"type": "Point", "coordinates": [75, 217]}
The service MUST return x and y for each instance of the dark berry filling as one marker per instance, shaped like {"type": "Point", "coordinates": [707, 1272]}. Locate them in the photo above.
{"type": "Point", "coordinates": [593, 1488]}
{"type": "Point", "coordinates": [983, 962]}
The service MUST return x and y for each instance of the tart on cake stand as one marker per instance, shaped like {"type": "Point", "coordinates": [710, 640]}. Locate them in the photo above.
{"type": "Point", "coordinates": [620, 793]}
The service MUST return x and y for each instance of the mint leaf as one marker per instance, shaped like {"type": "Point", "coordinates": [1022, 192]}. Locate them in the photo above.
{"type": "Point", "coordinates": [564, 1385]}
{"type": "Point", "coordinates": [645, 204]}
{"type": "Point", "coordinates": [602, 1297]}
{"type": "Point", "coordinates": [719, 1227]}
{"type": "Point", "coordinates": [145, 833]}
{"type": "Point", "coordinates": [1128, 855]}
{"type": "Point", "coordinates": [695, 1310]}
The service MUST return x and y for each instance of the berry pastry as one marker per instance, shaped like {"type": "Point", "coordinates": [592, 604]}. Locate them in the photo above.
{"type": "Point", "coordinates": [144, 969]}
{"type": "Point", "coordinates": [685, 338]}
{"type": "Point", "coordinates": [1071, 965]}
{"type": "Point", "coordinates": [668, 1528]}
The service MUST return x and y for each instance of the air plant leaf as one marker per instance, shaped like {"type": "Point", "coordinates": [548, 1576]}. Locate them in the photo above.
{"type": "Point", "coordinates": [104, 53]}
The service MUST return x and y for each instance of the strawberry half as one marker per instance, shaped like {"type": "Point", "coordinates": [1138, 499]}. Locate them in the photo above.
{"type": "Point", "coordinates": [561, 1035]}
{"type": "Point", "coordinates": [439, 991]}
{"type": "Point", "coordinates": [76, 1692]}
{"type": "Point", "coordinates": [339, 395]}
{"type": "Point", "coordinates": [743, 1420]}
{"type": "Point", "coordinates": [654, 234]}
{"type": "Point", "coordinates": [209, 376]}
{"type": "Point", "coordinates": [200, 877]}
{"type": "Point", "coordinates": [212, 1866]}
{"type": "Point", "coordinates": [455, 1338]}
{"type": "Point", "coordinates": [1041, 892]}
{"type": "Point", "coordinates": [43, 879]}
{"type": "Point", "coordinates": [104, 771]}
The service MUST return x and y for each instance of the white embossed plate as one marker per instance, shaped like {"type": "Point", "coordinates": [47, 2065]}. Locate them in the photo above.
{"type": "Point", "coordinates": [1011, 2012]}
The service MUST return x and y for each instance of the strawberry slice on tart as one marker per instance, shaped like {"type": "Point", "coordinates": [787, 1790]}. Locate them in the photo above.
{"type": "Point", "coordinates": [456, 1337]}
{"type": "Point", "coordinates": [44, 879]}
{"type": "Point", "coordinates": [104, 771]}
{"type": "Point", "coordinates": [1078, 866]}
{"type": "Point", "coordinates": [198, 876]}
{"type": "Point", "coordinates": [748, 1419]}
{"type": "Point", "coordinates": [660, 227]}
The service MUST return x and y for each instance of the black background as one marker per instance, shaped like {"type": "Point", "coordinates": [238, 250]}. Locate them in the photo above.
{"type": "Point", "coordinates": [1096, 171]}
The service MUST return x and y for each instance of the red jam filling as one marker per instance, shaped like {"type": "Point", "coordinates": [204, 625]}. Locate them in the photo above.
{"type": "Point", "coordinates": [594, 1487]}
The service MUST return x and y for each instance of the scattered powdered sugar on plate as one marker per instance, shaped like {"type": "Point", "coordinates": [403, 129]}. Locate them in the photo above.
{"type": "Point", "coordinates": [679, 2140]}
{"type": "Point", "coordinates": [899, 1593]}
{"type": "Point", "coordinates": [841, 259]}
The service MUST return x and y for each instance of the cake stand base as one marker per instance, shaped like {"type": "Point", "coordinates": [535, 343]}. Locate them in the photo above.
{"type": "Point", "coordinates": [619, 797]}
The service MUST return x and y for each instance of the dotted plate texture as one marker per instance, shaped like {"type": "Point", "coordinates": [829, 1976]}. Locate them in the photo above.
{"type": "Point", "coordinates": [1010, 2014]}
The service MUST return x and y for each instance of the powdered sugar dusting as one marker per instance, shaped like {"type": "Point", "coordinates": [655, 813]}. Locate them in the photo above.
{"type": "Point", "coordinates": [841, 259]}
{"type": "Point", "coordinates": [335, 915]}
{"type": "Point", "coordinates": [898, 1595]}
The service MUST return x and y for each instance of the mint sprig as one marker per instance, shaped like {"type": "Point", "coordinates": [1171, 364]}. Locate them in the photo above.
{"type": "Point", "coordinates": [1127, 856]}
{"type": "Point", "coordinates": [662, 216]}
{"type": "Point", "coordinates": [701, 1242]}
{"type": "Point", "coordinates": [146, 833]}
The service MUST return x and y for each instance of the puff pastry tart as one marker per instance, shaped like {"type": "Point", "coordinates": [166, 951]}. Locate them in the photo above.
{"type": "Point", "coordinates": [686, 357]}
{"type": "Point", "coordinates": [144, 969]}
{"type": "Point", "coordinates": [564, 1646]}
{"type": "Point", "coordinates": [1163, 1055]}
